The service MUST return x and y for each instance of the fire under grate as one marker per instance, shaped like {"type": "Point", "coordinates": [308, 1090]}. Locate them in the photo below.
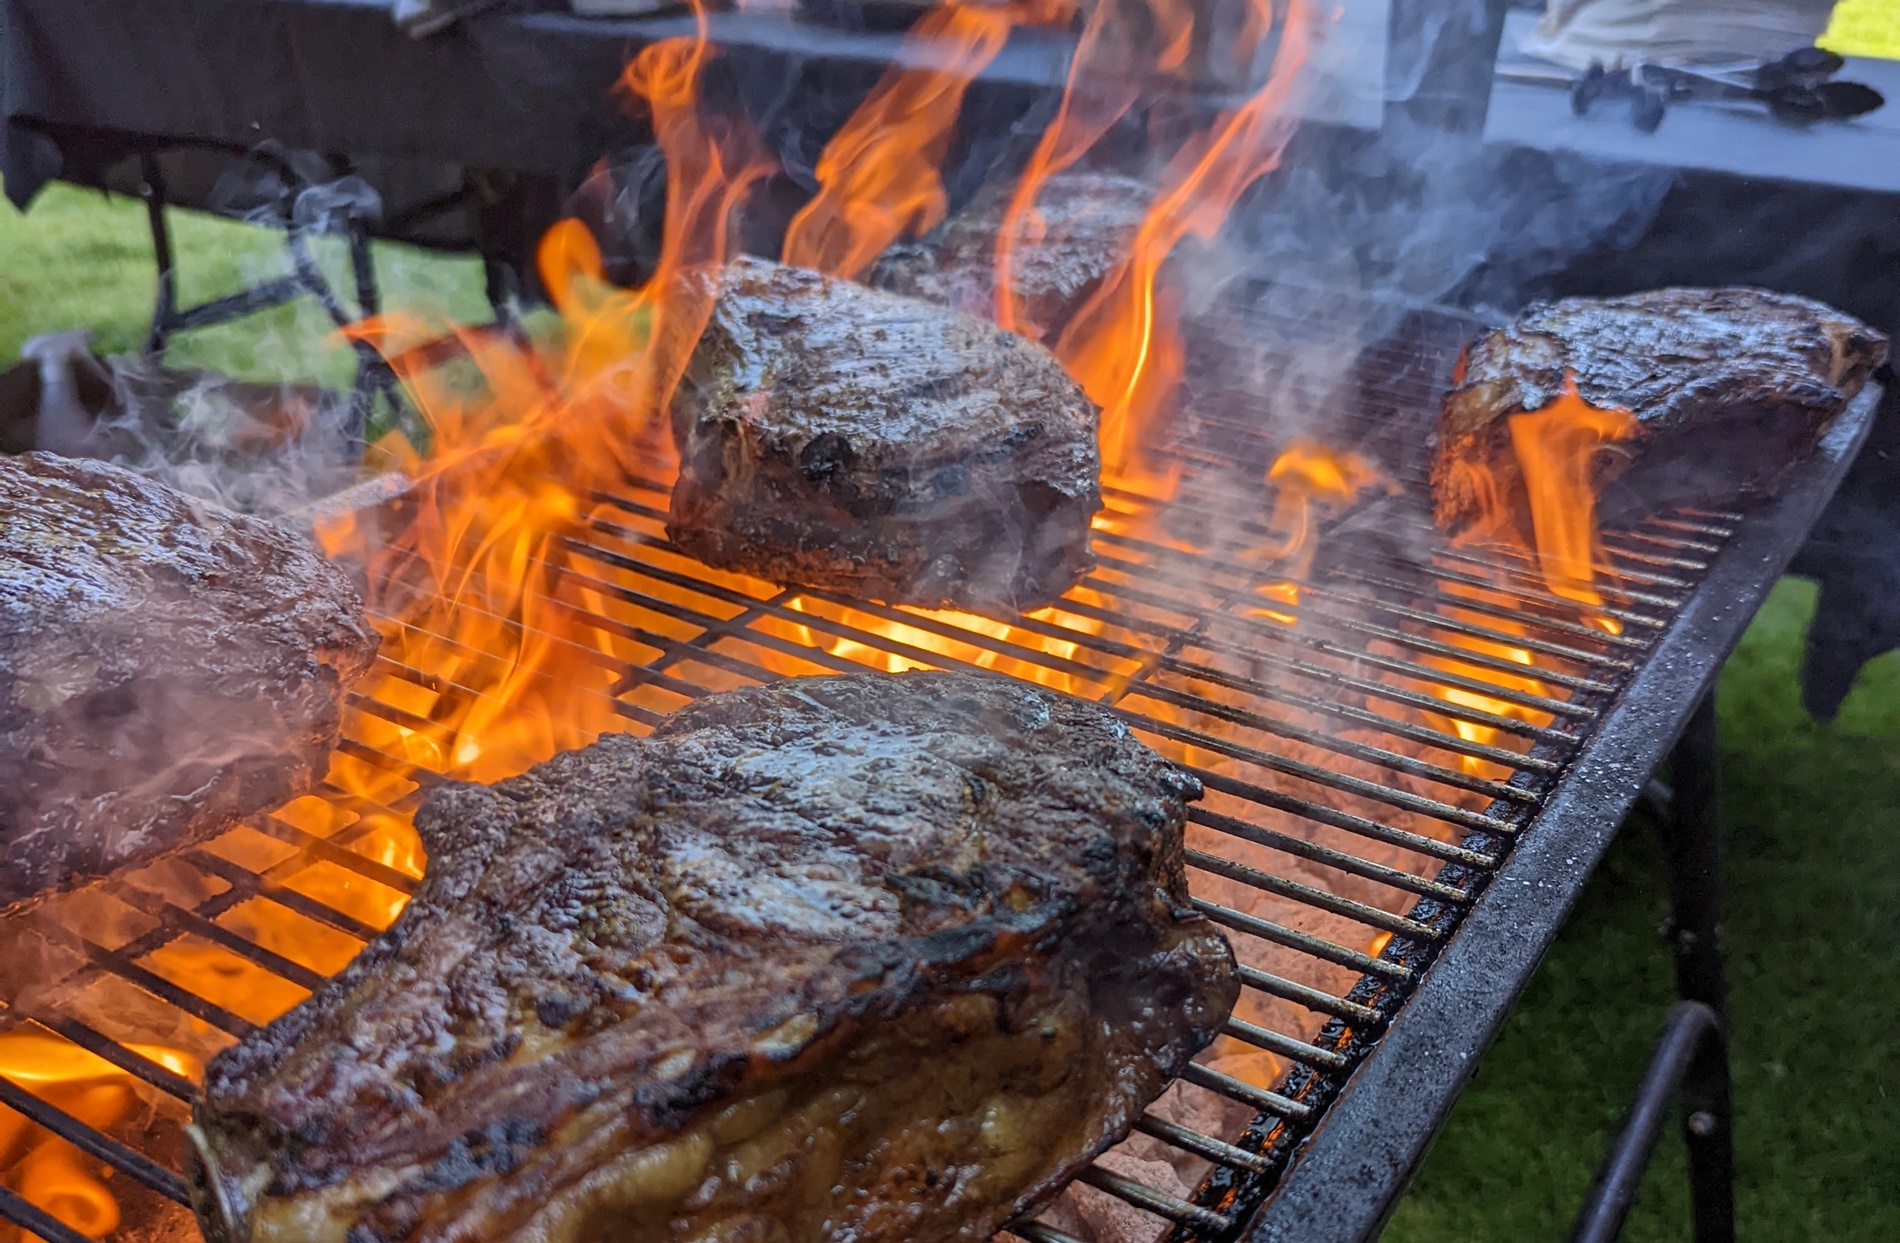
{"type": "Point", "coordinates": [1375, 734]}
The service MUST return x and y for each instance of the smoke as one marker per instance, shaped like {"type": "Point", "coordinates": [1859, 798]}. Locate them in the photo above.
{"type": "Point", "coordinates": [255, 447]}
{"type": "Point", "coordinates": [1356, 231]}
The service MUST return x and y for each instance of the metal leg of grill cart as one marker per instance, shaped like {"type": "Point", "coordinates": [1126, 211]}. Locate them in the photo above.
{"type": "Point", "coordinates": [1691, 837]}
{"type": "Point", "coordinates": [1693, 842]}
{"type": "Point", "coordinates": [1692, 1056]}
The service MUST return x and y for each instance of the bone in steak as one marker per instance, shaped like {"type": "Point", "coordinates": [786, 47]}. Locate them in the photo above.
{"type": "Point", "coordinates": [839, 437]}
{"type": "Point", "coordinates": [167, 667]}
{"type": "Point", "coordinates": [1084, 224]}
{"type": "Point", "coordinates": [1730, 387]}
{"type": "Point", "coordinates": [884, 957]}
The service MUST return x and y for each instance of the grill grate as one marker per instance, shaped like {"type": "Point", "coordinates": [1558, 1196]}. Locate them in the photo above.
{"type": "Point", "coordinates": [1371, 744]}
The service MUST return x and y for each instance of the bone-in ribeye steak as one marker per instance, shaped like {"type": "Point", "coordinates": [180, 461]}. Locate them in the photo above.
{"type": "Point", "coordinates": [1084, 225]}
{"type": "Point", "coordinates": [166, 668]}
{"type": "Point", "coordinates": [1730, 387]}
{"type": "Point", "coordinates": [838, 437]}
{"type": "Point", "coordinates": [876, 958]}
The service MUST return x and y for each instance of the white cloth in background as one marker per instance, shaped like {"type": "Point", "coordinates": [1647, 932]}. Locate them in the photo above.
{"type": "Point", "coordinates": [1618, 33]}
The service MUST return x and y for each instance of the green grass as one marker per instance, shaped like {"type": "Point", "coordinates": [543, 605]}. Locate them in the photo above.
{"type": "Point", "coordinates": [1814, 849]}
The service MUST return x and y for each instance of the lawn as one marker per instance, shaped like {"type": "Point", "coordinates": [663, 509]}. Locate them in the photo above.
{"type": "Point", "coordinates": [1811, 830]}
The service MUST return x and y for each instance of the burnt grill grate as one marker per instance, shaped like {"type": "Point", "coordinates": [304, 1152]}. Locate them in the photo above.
{"type": "Point", "coordinates": [1372, 743]}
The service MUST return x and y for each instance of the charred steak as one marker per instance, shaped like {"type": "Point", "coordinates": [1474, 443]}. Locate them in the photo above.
{"type": "Point", "coordinates": [1730, 387]}
{"type": "Point", "coordinates": [885, 957]}
{"type": "Point", "coordinates": [1084, 225]}
{"type": "Point", "coordinates": [167, 667]}
{"type": "Point", "coordinates": [838, 437]}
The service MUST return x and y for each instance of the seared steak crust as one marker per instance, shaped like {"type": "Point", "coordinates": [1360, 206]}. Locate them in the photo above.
{"type": "Point", "coordinates": [875, 957]}
{"type": "Point", "coordinates": [837, 437]}
{"type": "Point", "coordinates": [166, 668]}
{"type": "Point", "coordinates": [1084, 225]}
{"type": "Point", "coordinates": [1730, 386]}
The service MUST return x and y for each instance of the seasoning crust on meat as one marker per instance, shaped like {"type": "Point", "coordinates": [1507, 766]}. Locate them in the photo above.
{"type": "Point", "coordinates": [873, 958]}
{"type": "Point", "coordinates": [1084, 224]}
{"type": "Point", "coordinates": [842, 438]}
{"type": "Point", "coordinates": [1730, 387]}
{"type": "Point", "coordinates": [167, 667]}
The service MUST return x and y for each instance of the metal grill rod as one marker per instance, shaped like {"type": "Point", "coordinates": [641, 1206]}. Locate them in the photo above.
{"type": "Point", "coordinates": [1324, 855]}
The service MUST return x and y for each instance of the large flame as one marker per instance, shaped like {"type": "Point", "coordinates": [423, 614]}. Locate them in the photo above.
{"type": "Point", "coordinates": [878, 176]}
{"type": "Point", "coordinates": [1555, 448]}
{"type": "Point", "coordinates": [474, 581]}
{"type": "Point", "coordinates": [1124, 344]}
{"type": "Point", "coordinates": [1554, 451]}
{"type": "Point", "coordinates": [1107, 71]}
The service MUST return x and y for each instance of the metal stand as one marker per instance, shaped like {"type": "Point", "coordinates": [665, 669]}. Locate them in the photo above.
{"type": "Point", "coordinates": [373, 375]}
{"type": "Point", "coordinates": [1693, 1053]}
{"type": "Point", "coordinates": [1692, 1056]}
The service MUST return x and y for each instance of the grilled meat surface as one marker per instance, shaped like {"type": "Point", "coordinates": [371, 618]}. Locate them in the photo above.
{"type": "Point", "coordinates": [883, 957]}
{"type": "Point", "coordinates": [838, 437]}
{"type": "Point", "coordinates": [1730, 388]}
{"type": "Point", "coordinates": [166, 668]}
{"type": "Point", "coordinates": [1085, 223]}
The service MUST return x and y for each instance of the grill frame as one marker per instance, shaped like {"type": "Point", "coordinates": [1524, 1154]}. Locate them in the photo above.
{"type": "Point", "coordinates": [1613, 758]}
{"type": "Point", "coordinates": [1345, 1181]}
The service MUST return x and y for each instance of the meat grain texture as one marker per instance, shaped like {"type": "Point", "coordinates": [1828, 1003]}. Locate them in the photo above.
{"type": "Point", "coordinates": [839, 960]}
{"type": "Point", "coordinates": [1083, 227]}
{"type": "Point", "coordinates": [167, 667]}
{"type": "Point", "coordinates": [842, 438]}
{"type": "Point", "coordinates": [1730, 387]}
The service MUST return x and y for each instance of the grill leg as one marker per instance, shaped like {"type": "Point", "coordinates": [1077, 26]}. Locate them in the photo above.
{"type": "Point", "coordinates": [1695, 885]}
{"type": "Point", "coordinates": [1691, 839]}
{"type": "Point", "coordinates": [1692, 1054]}
{"type": "Point", "coordinates": [152, 189]}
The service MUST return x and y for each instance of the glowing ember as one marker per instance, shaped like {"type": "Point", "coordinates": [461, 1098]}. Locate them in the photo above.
{"type": "Point", "coordinates": [1459, 697]}
{"type": "Point", "coordinates": [49, 1171]}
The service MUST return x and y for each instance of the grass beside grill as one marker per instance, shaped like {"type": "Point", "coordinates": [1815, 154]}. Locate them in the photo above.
{"type": "Point", "coordinates": [1814, 890]}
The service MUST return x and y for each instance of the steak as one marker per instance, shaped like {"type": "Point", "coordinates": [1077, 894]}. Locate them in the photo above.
{"type": "Point", "coordinates": [1083, 227]}
{"type": "Point", "coordinates": [1730, 388]}
{"type": "Point", "coordinates": [167, 667]}
{"type": "Point", "coordinates": [838, 437]}
{"type": "Point", "coordinates": [884, 958]}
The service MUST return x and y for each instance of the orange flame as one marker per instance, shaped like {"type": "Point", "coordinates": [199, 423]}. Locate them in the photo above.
{"type": "Point", "coordinates": [1553, 452]}
{"type": "Point", "coordinates": [1124, 344]}
{"type": "Point", "coordinates": [1554, 448]}
{"type": "Point", "coordinates": [1553, 462]}
{"type": "Point", "coordinates": [49, 1171]}
{"type": "Point", "coordinates": [1105, 79]}
{"type": "Point", "coordinates": [474, 586]}
{"type": "Point", "coordinates": [878, 176]}
{"type": "Point", "coordinates": [1311, 481]}
{"type": "Point", "coordinates": [474, 580]}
